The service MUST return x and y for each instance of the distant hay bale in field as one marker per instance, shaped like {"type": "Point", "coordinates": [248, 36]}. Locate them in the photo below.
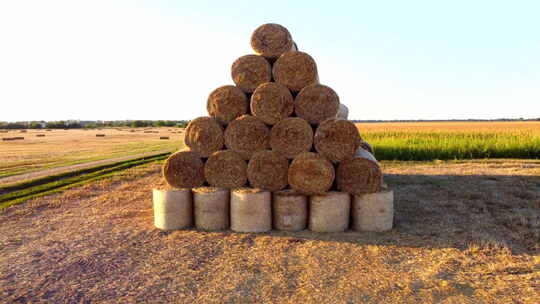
{"type": "Point", "coordinates": [48, 130]}
{"type": "Point", "coordinates": [316, 103]}
{"type": "Point", "coordinates": [337, 139]}
{"type": "Point", "coordinates": [366, 146]}
{"type": "Point", "coordinates": [40, 135]}
{"type": "Point", "coordinates": [100, 135]}
{"type": "Point", "coordinates": [271, 40]}
{"type": "Point", "coordinates": [268, 170]}
{"type": "Point", "coordinates": [173, 209]}
{"type": "Point", "coordinates": [329, 212]}
{"type": "Point", "coordinates": [291, 136]}
{"type": "Point", "coordinates": [272, 102]}
{"type": "Point", "coordinates": [211, 208]}
{"type": "Point", "coordinates": [226, 169]}
{"type": "Point", "coordinates": [204, 135]}
{"type": "Point", "coordinates": [12, 138]}
{"type": "Point", "coordinates": [290, 210]}
{"type": "Point", "coordinates": [147, 132]}
{"type": "Point", "coordinates": [359, 175]}
{"type": "Point", "coordinates": [132, 131]}
{"type": "Point", "coordinates": [247, 134]}
{"type": "Point", "coordinates": [184, 169]}
{"type": "Point", "coordinates": [251, 210]}
{"type": "Point", "coordinates": [295, 70]}
{"type": "Point", "coordinates": [227, 103]}
{"type": "Point", "coordinates": [250, 71]}
{"type": "Point", "coordinates": [164, 137]}
{"type": "Point", "coordinates": [311, 173]}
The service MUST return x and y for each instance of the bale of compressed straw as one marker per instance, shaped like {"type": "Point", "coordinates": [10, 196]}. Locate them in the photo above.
{"type": "Point", "coordinates": [295, 70]}
{"type": "Point", "coordinates": [272, 102]}
{"type": "Point", "coordinates": [366, 146]}
{"type": "Point", "coordinates": [204, 135]}
{"type": "Point", "coordinates": [211, 208]}
{"type": "Point", "coordinates": [268, 170]}
{"type": "Point", "coordinates": [329, 212]}
{"type": "Point", "coordinates": [271, 40]}
{"type": "Point", "coordinates": [225, 169]}
{"type": "Point", "coordinates": [251, 210]}
{"type": "Point", "coordinates": [373, 211]}
{"type": "Point", "coordinates": [343, 112]}
{"type": "Point", "coordinates": [184, 169]}
{"type": "Point", "coordinates": [290, 210]}
{"type": "Point", "coordinates": [337, 139]}
{"type": "Point", "coordinates": [311, 173]}
{"type": "Point", "coordinates": [291, 136]}
{"type": "Point", "coordinates": [316, 103]}
{"type": "Point", "coordinates": [250, 71]}
{"type": "Point", "coordinates": [247, 134]}
{"type": "Point", "coordinates": [359, 175]}
{"type": "Point", "coordinates": [227, 103]}
{"type": "Point", "coordinates": [173, 209]}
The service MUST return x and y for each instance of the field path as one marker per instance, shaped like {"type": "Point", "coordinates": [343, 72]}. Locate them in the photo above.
{"type": "Point", "coordinates": [63, 169]}
{"type": "Point", "coordinates": [466, 232]}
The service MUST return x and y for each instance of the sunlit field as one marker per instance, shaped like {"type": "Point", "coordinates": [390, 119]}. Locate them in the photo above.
{"type": "Point", "coordinates": [453, 140]}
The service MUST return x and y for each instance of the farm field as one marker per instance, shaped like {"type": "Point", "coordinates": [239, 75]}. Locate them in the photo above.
{"type": "Point", "coordinates": [453, 140]}
{"type": "Point", "coordinates": [69, 147]}
{"type": "Point", "coordinates": [465, 232]}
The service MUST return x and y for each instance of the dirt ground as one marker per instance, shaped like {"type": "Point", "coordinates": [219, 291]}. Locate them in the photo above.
{"type": "Point", "coordinates": [465, 232]}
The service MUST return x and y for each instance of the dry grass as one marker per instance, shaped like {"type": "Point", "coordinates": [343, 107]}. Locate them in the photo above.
{"type": "Point", "coordinates": [466, 232]}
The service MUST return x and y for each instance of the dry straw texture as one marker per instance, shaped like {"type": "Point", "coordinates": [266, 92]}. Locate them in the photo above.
{"type": "Point", "coordinates": [184, 169]}
{"type": "Point", "coordinates": [296, 70]}
{"type": "Point", "coordinates": [290, 210]}
{"type": "Point", "coordinates": [250, 71]}
{"type": "Point", "coordinates": [225, 169]}
{"type": "Point", "coordinates": [272, 102]}
{"type": "Point", "coordinates": [226, 103]}
{"type": "Point", "coordinates": [204, 135]}
{"type": "Point", "coordinates": [268, 170]}
{"type": "Point", "coordinates": [316, 103]}
{"type": "Point", "coordinates": [359, 175]}
{"type": "Point", "coordinates": [211, 208]}
{"type": "Point", "coordinates": [271, 40]}
{"type": "Point", "coordinates": [310, 173]}
{"type": "Point", "coordinates": [291, 136]}
{"type": "Point", "coordinates": [329, 212]}
{"type": "Point", "coordinates": [337, 139]}
{"type": "Point", "coordinates": [246, 135]}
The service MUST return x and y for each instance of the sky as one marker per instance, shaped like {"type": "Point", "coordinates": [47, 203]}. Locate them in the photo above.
{"type": "Point", "coordinates": [115, 60]}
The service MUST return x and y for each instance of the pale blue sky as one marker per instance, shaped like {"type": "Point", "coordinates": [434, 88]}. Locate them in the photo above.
{"type": "Point", "coordinates": [160, 59]}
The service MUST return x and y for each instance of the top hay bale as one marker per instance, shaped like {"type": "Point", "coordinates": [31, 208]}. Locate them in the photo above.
{"type": "Point", "coordinates": [295, 70]}
{"type": "Point", "coordinates": [226, 103]}
{"type": "Point", "coordinates": [204, 135]}
{"type": "Point", "coordinates": [271, 40]}
{"type": "Point", "coordinates": [184, 169]}
{"type": "Point", "coordinates": [250, 71]}
{"type": "Point", "coordinates": [316, 103]}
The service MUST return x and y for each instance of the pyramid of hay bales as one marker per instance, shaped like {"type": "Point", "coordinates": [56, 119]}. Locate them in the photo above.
{"type": "Point", "coordinates": [277, 128]}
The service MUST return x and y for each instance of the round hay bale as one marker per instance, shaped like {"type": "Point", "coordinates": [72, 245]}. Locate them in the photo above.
{"type": "Point", "coordinates": [329, 212]}
{"type": "Point", "coordinates": [173, 209]}
{"type": "Point", "coordinates": [359, 175]}
{"type": "Point", "coordinates": [373, 212]}
{"type": "Point", "coordinates": [268, 170]}
{"type": "Point", "coordinates": [337, 139]}
{"type": "Point", "coordinates": [204, 135]}
{"type": "Point", "coordinates": [366, 146]}
{"type": "Point", "coordinates": [211, 208]}
{"type": "Point", "coordinates": [225, 169]}
{"type": "Point", "coordinates": [184, 169]}
{"type": "Point", "coordinates": [295, 70]}
{"type": "Point", "coordinates": [226, 103]}
{"type": "Point", "coordinates": [271, 40]}
{"type": "Point", "coordinates": [310, 173]}
{"type": "Point", "coordinates": [290, 210]}
{"type": "Point", "coordinates": [272, 102]}
{"type": "Point", "coordinates": [250, 71]}
{"type": "Point", "coordinates": [251, 210]}
{"type": "Point", "coordinates": [316, 103]}
{"type": "Point", "coordinates": [247, 134]}
{"type": "Point", "coordinates": [291, 136]}
{"type": "Point", "coordinates": [343, 112]}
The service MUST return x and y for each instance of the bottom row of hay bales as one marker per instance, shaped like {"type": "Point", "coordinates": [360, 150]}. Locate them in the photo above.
{"type": "Point", "coordinates": [256, 210]}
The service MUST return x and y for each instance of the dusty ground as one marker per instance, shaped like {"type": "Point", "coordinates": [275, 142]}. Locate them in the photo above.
{"type": "Point", "coordinates": [465, 232]}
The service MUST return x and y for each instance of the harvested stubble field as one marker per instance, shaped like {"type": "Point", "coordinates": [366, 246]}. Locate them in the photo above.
{"type": "Point", "coordinates": [453, 140]}
{"type": "Point", "coordinates": [465, 232]}
{"type": "Point", "coordinates": [69, 147]}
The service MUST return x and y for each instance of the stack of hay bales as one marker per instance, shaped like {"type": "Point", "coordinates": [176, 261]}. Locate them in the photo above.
{"type": "Point", "coordinates": [278, 134]}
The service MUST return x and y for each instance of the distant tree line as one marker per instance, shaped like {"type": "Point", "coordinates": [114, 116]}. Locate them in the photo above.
{"type": "Point", "coordinates": [92, 124]}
